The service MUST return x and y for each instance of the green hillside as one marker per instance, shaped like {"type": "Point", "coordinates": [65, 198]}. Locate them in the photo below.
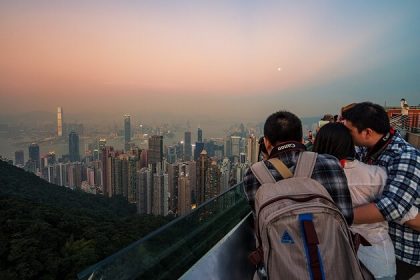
{"type": "Point", "coordinates": [51, 232]}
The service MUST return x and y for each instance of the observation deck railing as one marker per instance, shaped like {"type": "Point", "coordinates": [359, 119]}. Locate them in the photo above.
{"type": "Point", "coordinates": [173, 249]}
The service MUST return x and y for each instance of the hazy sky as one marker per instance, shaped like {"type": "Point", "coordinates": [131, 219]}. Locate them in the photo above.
{"type": "Point", "coordinates": [232, 59]}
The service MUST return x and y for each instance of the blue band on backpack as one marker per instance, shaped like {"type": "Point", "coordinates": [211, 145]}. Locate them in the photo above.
{"type": "Point", "coordinates": [305, 217]}
{"type": "Point", "coordinates": [302, 218]}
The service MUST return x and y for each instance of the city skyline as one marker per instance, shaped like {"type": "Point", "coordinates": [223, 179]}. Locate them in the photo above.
{"type": "Point", "coordinates": [240, 60]}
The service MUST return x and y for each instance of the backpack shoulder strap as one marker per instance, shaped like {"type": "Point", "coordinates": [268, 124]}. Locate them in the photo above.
{"type": "Point", "coordinates": [262, 173]}
{"type": "Point", "coordinates": [281, 168]}
{"type": "Point", "coordinates": [305, 164]}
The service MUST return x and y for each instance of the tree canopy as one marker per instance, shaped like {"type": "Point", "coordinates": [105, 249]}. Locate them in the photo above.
{"type": "Point", "coordinates": [51, 232]}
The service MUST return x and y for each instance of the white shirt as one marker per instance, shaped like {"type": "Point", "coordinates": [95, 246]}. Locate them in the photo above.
{"type": "Point", "coordinates": [366, 182]}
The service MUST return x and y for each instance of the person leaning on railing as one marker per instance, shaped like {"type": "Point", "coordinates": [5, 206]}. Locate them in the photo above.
{"type": "Point", "coordinates": [369, 126]}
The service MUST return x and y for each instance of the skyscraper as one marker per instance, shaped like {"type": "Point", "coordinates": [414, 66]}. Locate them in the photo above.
{"type": "Point", "coordinates": [252, 149]}
{"type": "Point", "coordinates": [127, 131]}
{"type": "Point", "coordinates": [186, 186]}
{"type": "Point", "coordinates": [199, 147]}
{"type": "Point", "coordinates": [202, 167]}
{"type": "Point", "coordinates": [199, 135]}
{"type": "Point", "coordinates": [59, 121]}
{"type": "Point", "coordinates": [155, 154]}
{"type": "Point", "coordinates": [102, 144]}
{"type": "Point", "coordinates": [19, 158]}
{"type": "Point", "coordinates": [144, 196]}
{"type": "Point", "coordinates": [173, 176]}
{"type": "Point", "coordinates": [160, 193]}
{"type": "Point", "coordinates": [34, 155]}
{"type": "Point", "coordinates": [187, 146]}
{"type": "Point", "coordinates": [235, 142]}
{"type": "Point", "coordinates": [212, 188]}
{"type": "Point", "coordinates": [74, 154]}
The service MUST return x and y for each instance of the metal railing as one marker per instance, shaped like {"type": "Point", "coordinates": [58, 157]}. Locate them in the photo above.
{"type": "Point", "coordinates": [403, 123]}
{"type": "Point", "coordinates": [172, 249]}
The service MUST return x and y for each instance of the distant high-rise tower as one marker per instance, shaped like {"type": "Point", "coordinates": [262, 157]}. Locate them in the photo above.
{"type": "Point", "coordinates": [59, 121]}
{"type": "Point", "coordinates": [187, 146]}
{"type": "Point", "coordinates": [34, 154]}
{"type": "Point", "coordinates": [235, 142]}
{"type": "Point", "coordinates": [19, 158]}
{"type": "Point", "coordinates": [212, 188]}
{"type": "Point", "coordinates": [155, 154]}
{"type": "Point", "coordinates": [202, 167]}
{"type": "Point", "coordinates": [199, 135]}
{"type": "Point", "coordinates": [127, 131]}
{"type": "Point", "coordinates": [144, 191]}
{"type": "Point", "coordinates": [160, 193]}
{"type": "Point", "coordinates": [102, 144]}
{"type": "Point", "coordinates": [74, 154]}
{"type": "Point", "coordinates": [252, 149]}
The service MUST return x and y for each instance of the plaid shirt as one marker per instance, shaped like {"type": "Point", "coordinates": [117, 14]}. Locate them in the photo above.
{"type": "Point", "coordinates": [402, 162]}
{"type": "Point", "coordinates": [327, 172]}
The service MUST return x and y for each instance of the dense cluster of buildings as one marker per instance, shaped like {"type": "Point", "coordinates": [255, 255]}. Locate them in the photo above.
{"type": "Point", "coordinates": [160, 179]}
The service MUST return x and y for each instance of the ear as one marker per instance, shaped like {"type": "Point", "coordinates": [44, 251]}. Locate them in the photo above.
{"type": "Point", "coordinates": [369, 133]}
{"type": "Point", "coordinates": [268, 145]}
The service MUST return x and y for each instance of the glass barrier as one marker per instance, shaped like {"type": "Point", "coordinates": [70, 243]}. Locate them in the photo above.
{"type": "Point", "coordinates": [171, 250]}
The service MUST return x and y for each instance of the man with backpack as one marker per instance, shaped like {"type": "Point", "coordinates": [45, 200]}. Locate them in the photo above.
{"type": "Point", "coordinates": [301, 222]}
{"type": "Point", "coordinates": [369, 126]}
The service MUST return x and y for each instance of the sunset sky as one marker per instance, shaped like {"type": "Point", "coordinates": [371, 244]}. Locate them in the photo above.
{"type": "Point", "coordinates": [233, 59]}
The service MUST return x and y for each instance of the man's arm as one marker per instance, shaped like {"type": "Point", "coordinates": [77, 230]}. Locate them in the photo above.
{"type": "Point", "coordinates": [414, 223]}
{"type": "Point", "coordinates": [367, 214]}
{"type": "Point", "coordinates": [400, 191]}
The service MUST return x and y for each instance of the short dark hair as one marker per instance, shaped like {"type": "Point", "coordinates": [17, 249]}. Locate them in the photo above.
{"type": "Point", "coordinates": [368, 115]}
{"type": "Point", "coordinates": [283, 126]}
{"type": "Point", "coordinates": [334, 139]}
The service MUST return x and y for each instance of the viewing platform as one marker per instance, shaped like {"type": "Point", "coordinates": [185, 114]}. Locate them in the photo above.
{"type": "Point", "coordinates": [210, 240]}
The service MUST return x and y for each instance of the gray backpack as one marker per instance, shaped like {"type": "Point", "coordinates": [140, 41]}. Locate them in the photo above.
{"type": "Point", "coordinates": [301, 234]}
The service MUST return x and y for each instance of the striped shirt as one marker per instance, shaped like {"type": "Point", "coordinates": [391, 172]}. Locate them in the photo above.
{"type": "Point", "coordinates": [401, 192]}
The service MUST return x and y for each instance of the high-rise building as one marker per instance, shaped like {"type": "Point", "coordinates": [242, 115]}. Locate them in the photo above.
{"type": "Point", "coordinates": [173, 176]}
{"type": "Point", "coordinates": [34, 155]}
{"type": "Point", "coordinates": [107, 170]}
{"type": "Point", "coordinates": [225, 175]}
{"type": "Point", "coordinates": [199, 135]}
{"type": "Point", "coordinates": [74, 153]}
{"type": "Point", "coordinates": [127, 132]}
{"type": "Point", "coordinates": [252, 149]}
{"type": "Point", "coordinates": [160, 193]}
{"type": "Point", "coordinates": [60, 170]}
{"type": "Point", "coordinates": [185, 184]}
{"type": "Point", "coordinates": [228, 148]}
{"type": "Point", "coordinates": [144, 194]}
{"type": "Point", "coordinates": [212, 188]}
{"type": "Point", "coordinates": [171, 154]}
{"type": "Point", "coordinates": [132, 179]}
{"type": "Point", "coordinates": [102, 144]}
{"type": "Point", "coordinates": [199, 147]}
{"type": "Point", "coordinates": [187, 146]}
{"type": "Point", "coordinates": [74, 173]}
{"type": "Point", "coordinates": [235, 142]}
{"type": "Point", "coordinates": [120, 175]}
{"type": "Point", "coordinates": [202, 167]}
{"type": "Point", "coordinates": [59, 121]}
{"type": "Point", "coordinates": [155, 154]}
{"type": "Point", "coordinates": [19, 158]}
